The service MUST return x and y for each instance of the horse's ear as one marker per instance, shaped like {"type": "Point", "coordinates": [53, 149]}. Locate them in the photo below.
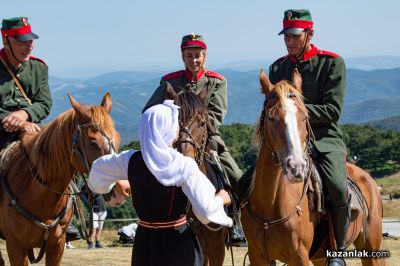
{"type": "Point", "coordinates": [297, 80]}
{"type": "Point", "coordinates": [266, 85]}
{"type": "Point", "coordinates": [79, 108]}
{"type": "Point", "coordinates": [171, 94]}
{"type": "Point", "coordinates": [106, 103]}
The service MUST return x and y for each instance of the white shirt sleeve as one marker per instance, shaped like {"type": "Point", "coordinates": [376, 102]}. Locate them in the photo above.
{"type": "Point", "coordinates": [201, 193]}
{"type": "Point", "coordinates": [108, 169]}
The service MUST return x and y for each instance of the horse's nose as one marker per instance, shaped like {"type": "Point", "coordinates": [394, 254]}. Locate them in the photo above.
{"type": "Point", "coordinates": [296, 167]}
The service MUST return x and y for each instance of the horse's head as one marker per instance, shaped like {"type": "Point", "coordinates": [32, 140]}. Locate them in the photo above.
{"type": "Point", "coordinates": [94, 133]}
{"type": "Point", "coordinates": [283, 125]}
{"type": "Point", "coordinates": [193, 122]}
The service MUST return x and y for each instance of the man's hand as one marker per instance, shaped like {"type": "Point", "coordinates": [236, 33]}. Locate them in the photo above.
{"type": "Point", "coordinates": [29, 127]}
{"type": "Point", "coordinates": [225, 196]}
{"type": "Point", "coordinates": [15, 120]}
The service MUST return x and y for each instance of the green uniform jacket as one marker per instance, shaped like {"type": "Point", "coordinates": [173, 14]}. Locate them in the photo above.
{"type": "Point", "coordinates": [324, 89]}
{"type": "Point", "coordinates": [33, 76]}
{"type": "Point", "coordinates": [211, 86]}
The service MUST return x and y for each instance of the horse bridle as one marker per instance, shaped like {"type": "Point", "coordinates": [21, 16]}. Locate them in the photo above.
{"type": "Point", "coordinates": [185, 136]}
{"type": "Point", "coordinates": [277, 161]}
{"type": "Point", "coordinates": [76, 147]}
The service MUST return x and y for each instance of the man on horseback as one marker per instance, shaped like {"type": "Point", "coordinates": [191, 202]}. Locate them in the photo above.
{"type": "Point", "coordinates": [324, 85]}
{"type": "Point", "coordinates": [24, 90]}
{"type": "Point", "coordinates": [162, 180]}
{"type": "Point", "coordinates": [212, 88]}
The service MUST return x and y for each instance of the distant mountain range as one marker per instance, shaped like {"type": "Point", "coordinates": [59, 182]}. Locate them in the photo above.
{"type": "Point", "coordinates": [387, 123]}
{"type": "Point", "coordinates": [371, 95]}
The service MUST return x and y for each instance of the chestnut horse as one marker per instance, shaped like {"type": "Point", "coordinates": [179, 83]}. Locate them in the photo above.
{"type": "Point", "coordinates": [36, 172]}
{"type": "Point", "coordinates": [277, 221]}
{"type": "Point", "coordinates": [193, 141]}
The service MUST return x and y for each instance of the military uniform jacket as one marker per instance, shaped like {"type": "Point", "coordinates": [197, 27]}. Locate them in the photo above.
{"type": "Point", "coordinates": [324, 88]}
{"type": "Point", "coordinates": [33, 76]}
{"type": "Point", "coordinates": [209, 85]}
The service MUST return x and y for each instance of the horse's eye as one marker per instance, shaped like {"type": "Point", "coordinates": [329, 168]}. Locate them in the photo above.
{"type": "Point", "coordinates": [93, 144]}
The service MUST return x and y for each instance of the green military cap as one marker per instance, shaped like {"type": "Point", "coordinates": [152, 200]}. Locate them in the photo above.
{"type": "Point", "coordinates": [295, 21]}
{"type": "Point", "coordinates": [193, 40]}
{"type": "Point", "coordinates": [18, 28]}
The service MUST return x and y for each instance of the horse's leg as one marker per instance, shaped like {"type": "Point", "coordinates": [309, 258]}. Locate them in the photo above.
{"type": "Point", "coordinates": [218, 256]}
{"type": "Point", "coordinates": [300, 258]}
{"type": "Point", "coordinates": [319, 262]}
{"type": "Point", "coordinates": [16, 254]}
{"type": "Point", "coordinates": [256, 256]}
{"type": "Point", "coordinates": [371, 243]}
{"type": "Point", "coordinates": [54, 253]}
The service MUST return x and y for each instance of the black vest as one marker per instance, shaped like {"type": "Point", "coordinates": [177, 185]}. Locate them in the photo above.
{"type": "Point", "coordinates": [153, 201]}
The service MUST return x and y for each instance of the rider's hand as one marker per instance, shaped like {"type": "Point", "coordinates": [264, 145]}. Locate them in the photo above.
{"type": "Point", "coordinates": [225, 196]}
{"type": "Point", "coordinates": [14, 121]}
{"type": "Point", "coordinates": [29, 127]}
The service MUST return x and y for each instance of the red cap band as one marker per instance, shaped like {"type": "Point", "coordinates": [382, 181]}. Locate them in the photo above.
{"type": "Point", "coordinates": [17, 31]}
{"type": "Point", "coordinates": [194, 43]}
{"type": "Point", "coordinates": [297, 23]}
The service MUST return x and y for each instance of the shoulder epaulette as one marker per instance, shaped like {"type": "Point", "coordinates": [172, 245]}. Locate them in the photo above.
{"type": "Point", "coordinates": [213, 74]}
{"type": "Point", "coordinates": [38, 59]}
{"type": "Point", "coordinates": [280, 58]}
{"type": "Point", "coordinates": [327, 53]}
{"type": "Point", "coordinates": [173, 75]}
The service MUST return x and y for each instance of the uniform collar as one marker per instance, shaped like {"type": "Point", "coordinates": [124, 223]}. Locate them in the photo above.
{"type": "Point", "coordinates": [308, 55]}
{"type": "Point", "coordinates": [199, 75]}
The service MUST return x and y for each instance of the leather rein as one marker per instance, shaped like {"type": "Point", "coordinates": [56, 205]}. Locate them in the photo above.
{"type": "Point", "coordinates": [185, 136]}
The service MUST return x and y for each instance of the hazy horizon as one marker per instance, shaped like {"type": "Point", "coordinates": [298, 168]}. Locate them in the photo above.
{"type": "Point", "coordinates": [86, 38]}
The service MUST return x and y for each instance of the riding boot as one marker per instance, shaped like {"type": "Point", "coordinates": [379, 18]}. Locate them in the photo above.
{"type": "Point", "coordinates": [235, 233]}
{"type": "Point", "coordinates": [340, 220]}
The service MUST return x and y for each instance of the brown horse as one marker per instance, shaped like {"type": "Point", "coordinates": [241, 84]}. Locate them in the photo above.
{"type": "Point", "coordinates": [34, 197]}
{"type": "Point", "coordinates": [277, 221]}
{"type": "Point", "coordinates": [193, 141]}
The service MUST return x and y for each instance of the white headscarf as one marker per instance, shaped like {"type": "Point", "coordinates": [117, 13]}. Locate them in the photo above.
{"type": "Point", "coordinates": [159, 127]}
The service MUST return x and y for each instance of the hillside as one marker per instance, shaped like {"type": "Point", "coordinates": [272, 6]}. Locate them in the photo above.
{"type": "Point", "coordinates": [371, 95]}
{"type": "Point", "coordinates": [388, 123]}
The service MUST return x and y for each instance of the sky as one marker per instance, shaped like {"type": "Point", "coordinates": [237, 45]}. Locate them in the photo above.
{"type": "Point", "coordinates": [82, 38]}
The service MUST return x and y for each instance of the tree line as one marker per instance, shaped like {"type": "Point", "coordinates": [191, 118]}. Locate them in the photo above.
{"type": "Point", "coordinates": [375, 150]}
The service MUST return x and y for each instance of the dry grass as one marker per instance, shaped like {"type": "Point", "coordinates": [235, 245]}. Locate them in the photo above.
{"type": "Point", "coordinates": [117, 254]}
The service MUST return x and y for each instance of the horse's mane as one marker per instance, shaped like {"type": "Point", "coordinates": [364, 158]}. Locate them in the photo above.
{"type": "Point", "coordinates": [190, 104]}
{"type": "Point", "coordinates": [281, 90]}
{"type": "Point", "coordinates": [50, 150]}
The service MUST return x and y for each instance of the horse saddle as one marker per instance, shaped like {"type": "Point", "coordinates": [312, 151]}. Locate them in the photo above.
{"type": "Point", "coordinates": [317, 201]}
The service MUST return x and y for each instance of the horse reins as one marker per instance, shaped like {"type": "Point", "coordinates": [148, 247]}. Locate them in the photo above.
{"type": "Point", "coordinates": [199, 148]}
{"type": "Point", "coordinates": [267, 224]}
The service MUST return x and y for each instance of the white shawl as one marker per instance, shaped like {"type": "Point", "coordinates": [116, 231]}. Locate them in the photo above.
{"type": "Point", "coordinates": [159, 127]}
